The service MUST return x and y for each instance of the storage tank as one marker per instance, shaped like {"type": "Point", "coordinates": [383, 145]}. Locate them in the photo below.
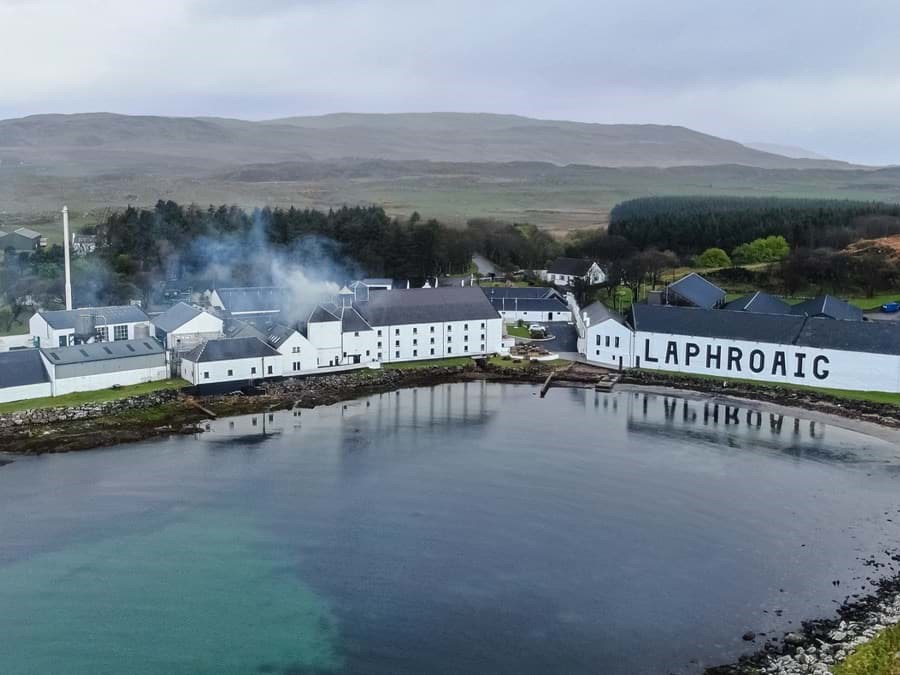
{"type": "Point", "coordinates": [85, 326]}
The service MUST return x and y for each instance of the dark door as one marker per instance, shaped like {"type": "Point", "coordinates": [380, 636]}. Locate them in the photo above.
{"type": "Point", "coordinates": [549, 316]}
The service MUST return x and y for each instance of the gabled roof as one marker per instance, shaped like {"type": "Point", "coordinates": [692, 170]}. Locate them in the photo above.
{"type": "Point", "coordinates": [27, 233]}
{"type": "Point", "coordinates": [695, 290]}
{"type": "Point", "coordinates": [426, 305]}
{"type": "Point", "coordinates": [759, 302]}
{"type": "Point", "coordinates": [597, 312]}
{"type": "Point", "coordinates": [102, 351]}
{"type": "Point", "coordinates": [716, 323]}
{"type": "Point", "coordinates": [63, 319]}
{"type": "Point", "coordinates": [253, 298]}
{"type": "Point", "coordinates": [519, 292]}
{"type": "Point", "coordinates": [829, 307]}
{"type": "Point", "coordinates": [20, 367]}
{"type": "Point", "coordinates": [575, 267]}
{"type": "Point", "coordinates": [321, 315]}
{"type": "Point", "coordinates": [229, 350]}
{"type": "Point", "coordinates": [374, 282]}
{"type": "Point", "coordinates": [235, 328]}
{"type": "Point", "coordinates": [278, 334]}
{"type": "Point", "coordinates": [3, 234]}
{"type": "Point", "coordinates": [176, 316]}
{"type": "Point", "coordinates": [351, 321]}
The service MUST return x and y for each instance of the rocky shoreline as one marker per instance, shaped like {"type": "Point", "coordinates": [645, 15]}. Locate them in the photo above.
{"type": "Point", "coordinates": [823, 643]}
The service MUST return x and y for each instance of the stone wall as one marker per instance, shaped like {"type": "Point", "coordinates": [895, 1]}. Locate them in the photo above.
{"type": "Point", "coordinates": [86, 411]}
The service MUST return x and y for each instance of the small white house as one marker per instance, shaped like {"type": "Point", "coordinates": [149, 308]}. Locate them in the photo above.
{"type": "Point", "coordinates": [564, 272]}
{"type": "Point", "coordinates": [240, 361]}
{"type": "Point", "coordinates": [182, 327]}
{"type": "Point", "coordinates": [324, 332]}
{"type": "Point", "coordinates": [89, 324]}
{"type": "Point", "coordinates": [607, 338]}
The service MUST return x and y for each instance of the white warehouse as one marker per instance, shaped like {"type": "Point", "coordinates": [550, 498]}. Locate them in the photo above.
{"type": "Point", "coordinates": [61, 328]}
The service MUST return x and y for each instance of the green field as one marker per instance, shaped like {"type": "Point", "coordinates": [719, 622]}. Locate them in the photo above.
{"type": "Point", "coordinates": [101, 396]}
{"type": "Point", "coordinates": [432, 363]}
{"type": "Point", "coordinates": [518, 331]}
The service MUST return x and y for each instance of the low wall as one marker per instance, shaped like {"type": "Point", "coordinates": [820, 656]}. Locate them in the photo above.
{"type": "Point", "coordinates": [86, 411]}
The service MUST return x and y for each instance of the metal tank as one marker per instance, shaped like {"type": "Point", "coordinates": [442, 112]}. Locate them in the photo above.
{"type": "Point", "coordinates": [85, 326]}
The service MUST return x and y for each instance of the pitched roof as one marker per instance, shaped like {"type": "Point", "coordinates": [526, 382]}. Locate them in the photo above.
{"type": "Point", "coordinates": [376, 282]}
{"type": "Point", "coordinates": [278, 334]}
{"type": "Point", "coordinates": [102, 351]}
{"type": "Point", "coordinates": [426, 305]}
{"type": "Point", "coordinates": [494, 292]}
{"type": "Point", "coordinates": [63, 319]}
{"type": "Point", "coordinates": [876, 337]}
{"type": "Point", "coordinates": [716, 323]}
{"type": "Point", "coordinates": [27, 233]}
{"type": "Point", "coordinates": [229, 350]}
{"type": "Point", "coordinates": [320, 315]}
{"type": "Point", "coordinates": [828, 306]}
{"type": "Point", "coordinates": [760, 302]}
{"type": "Point", "coordinates": [253, 298]}
{"type": "Point", "coordinates": [176, 316]}
{"type": "Point", "coordinates": [529, 305]}
{"type": "Point", "coordinates": [351, 321]}
{"type": "Point", "coordinates": [3, 234]}
{"type": "Point", "coordinates": [696, 291]}
{"type": "Point", "coordinates": [235, 328]}
{"type": "Point", "coordinates": [20, 367]}
{"type": "Point", "coordinates": [598, 312]}
{"type": "Point", "coordinates": [575, 267]}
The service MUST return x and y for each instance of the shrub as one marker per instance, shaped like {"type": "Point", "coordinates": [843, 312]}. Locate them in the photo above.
{"type": "Point", "coordinates": [713, 257]}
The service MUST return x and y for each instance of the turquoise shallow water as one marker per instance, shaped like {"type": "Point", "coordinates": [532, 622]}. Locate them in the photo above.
{"type": "Point", "coordinates": [466, 528]}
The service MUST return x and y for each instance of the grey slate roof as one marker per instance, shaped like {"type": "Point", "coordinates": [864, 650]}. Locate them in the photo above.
{"type": "Point", "coordinates": [876, 337]}
{"type": "Point", "coordinates": [519, 292]}
{"type": "Point", "coordinates": [102, 351]}
{"type": "Point", "coordinates": [598, 312]}
{"type": "Point", "coordinates": [426, 305]}
{"type": "Point", "coordinates": [229, 350]}
{"type": "Point", "coordinates": [529, 305]}
{"type": "Point", "coordinates": [253, 298]}
{"type": "Point", "coordinates": [63, 319]}
{"type": "Point", "coordinates": [830, 307]}
{"type": "Point", "coordinates": [696, 291]}
{"type": "Point", "coordinates": [20, 367]}
{"type": "Point", "coordinates": [235, 328]}
{"type": "Point", "coordinates": [278, 334]}
{"type": "Point", "coordinates": [759, 302]}
{"type": "Point", "coordinates": [377, 282]}
{"type": "Point", "coordinates": [716, 323]}
{"type": "Point", "coordinates": [320, 314]}
{"type": "Point", "coordinates": [176, 316]}
{"type": "Point", "coordinates": [351, 321]}
{"type": "Point", "coordinates": [576, 267]}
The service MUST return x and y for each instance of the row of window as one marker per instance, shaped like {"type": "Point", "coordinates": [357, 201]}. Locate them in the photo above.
{"type": "Point", "coordinates": [607, 341]}
{"type": "Point", "coordinates": [119, 333]}
{"type": "Point", "coordinates": [415, 352]}
{"type": "Point", "coordinates": [253, 371]}
{"type": "Point", "coordinates": [415, 329]}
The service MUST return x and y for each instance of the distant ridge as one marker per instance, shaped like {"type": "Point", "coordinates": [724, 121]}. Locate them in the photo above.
{"type": "Point", "coordinates": [104, 142]}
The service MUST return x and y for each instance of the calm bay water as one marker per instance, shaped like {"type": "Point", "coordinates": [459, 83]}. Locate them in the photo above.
{"type": "Point", "coordinates": [466, 528]}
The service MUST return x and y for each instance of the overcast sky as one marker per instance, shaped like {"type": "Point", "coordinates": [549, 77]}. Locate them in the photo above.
{"type": "Point", "coordinates": [823, 74]}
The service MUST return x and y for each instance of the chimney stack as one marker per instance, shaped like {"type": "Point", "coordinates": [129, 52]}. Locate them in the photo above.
{"type": "Point", "coordinates": [68, 262]}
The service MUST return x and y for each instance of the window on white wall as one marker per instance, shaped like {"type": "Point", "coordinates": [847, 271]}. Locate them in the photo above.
{"type": "Point", "coordinates": [230, 372]}
{"type": "Point", "coordinates": [252, 371]}
{"type": "Point", "coordinates": [205, 374]}
{"type": "Point", "coordinates": [617, 342]}
{"type": "Point", "coordinates": [120, 332]}
{"type": "Point", "coordinates": [103, 333]}
{"type": "Point", "coordinates": [607, 340]}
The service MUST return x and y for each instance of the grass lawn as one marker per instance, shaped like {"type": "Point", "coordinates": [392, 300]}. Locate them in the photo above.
{"type": "Point", "coordinates": [432, 363]}
{"type": "Point", "coordinates": [518, 331]}
{"type": "Point", "coordinates": [100, 396]}
{"type": "Point", "coordinates": [880, 656]}
{"type": "Point", "coordinates": [871, 396]}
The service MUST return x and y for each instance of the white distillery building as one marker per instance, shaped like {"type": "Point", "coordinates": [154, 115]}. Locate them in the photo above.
{"type": "Point", "coordinates": [101, 365]}
{"type": "Point", "coordinates": [604, 337]}
{"type": "Point", "coordinates": [299, 355]}
{"type": "Point", "coordinates": [407, 325]}
{"type": "Point", "coordinates": [89, 324]}
{"type": "Point", "coordinates": [182, 327]}
{"type": "Point", "coordinates": [528, 303]}
{"type": "Point", "coordinates": [236, 360]}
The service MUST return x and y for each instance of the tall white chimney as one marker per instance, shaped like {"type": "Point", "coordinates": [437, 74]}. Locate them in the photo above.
{"type": "Point", "coordinates": [68, 263]}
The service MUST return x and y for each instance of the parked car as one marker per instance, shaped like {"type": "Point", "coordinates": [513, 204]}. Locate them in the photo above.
{"type": "Point", "coordinates": [890, 307]}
